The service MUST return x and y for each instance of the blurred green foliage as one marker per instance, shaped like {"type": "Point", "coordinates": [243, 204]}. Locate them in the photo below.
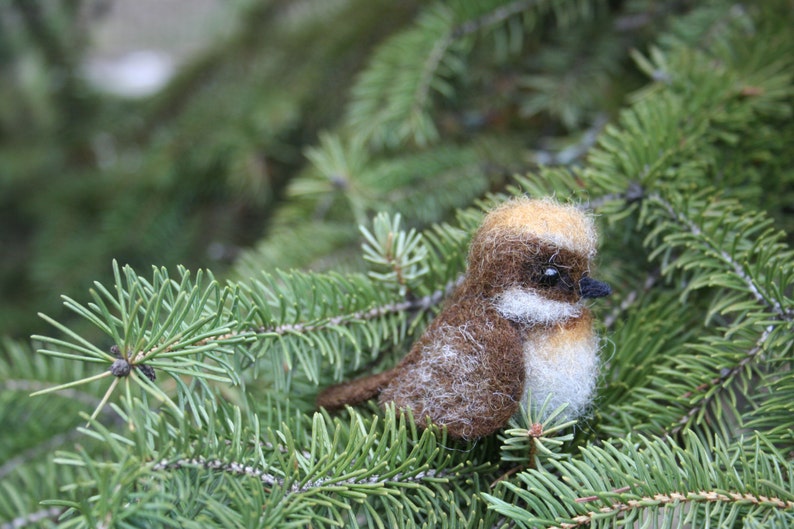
{"type": "Point", "coordinates": [187, 176]}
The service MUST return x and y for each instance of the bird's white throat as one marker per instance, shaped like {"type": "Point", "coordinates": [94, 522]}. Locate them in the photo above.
{"type": "Point", "coordinates": [561, 368]}
{"type": "Point", "coordinates": [527, 306]}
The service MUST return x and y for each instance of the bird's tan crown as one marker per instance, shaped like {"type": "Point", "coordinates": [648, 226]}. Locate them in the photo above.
{"type": "Point", "coordinates": [560, 225]}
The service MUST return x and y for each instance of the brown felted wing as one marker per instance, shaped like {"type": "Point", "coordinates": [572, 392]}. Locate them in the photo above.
{"type": "Point", "coordinates": [466, 372]}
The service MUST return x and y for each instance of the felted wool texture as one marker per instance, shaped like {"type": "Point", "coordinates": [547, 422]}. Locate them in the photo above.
{"type": "Point", "coordinates": [355, 392]}
{"type": "Point", "coordinates": [562, 364]}
{"type": "Point", "coordinates": [443, 383]}
{"type": "Point", "coordinates": [504, 332]}
{"type": "Point", "coordinates": [530, 307]}
{"type": "Point", "coordinates": [465, 372]}
{"type": "Point", "coordinates": [560, 225]}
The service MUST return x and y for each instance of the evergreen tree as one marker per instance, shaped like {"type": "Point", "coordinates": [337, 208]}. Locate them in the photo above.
{"type": "Point", "coordinates": [172, 398]}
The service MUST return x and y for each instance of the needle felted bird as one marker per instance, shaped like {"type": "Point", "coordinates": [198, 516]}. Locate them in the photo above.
{"type": "Point", "coordinates": [515, 326]}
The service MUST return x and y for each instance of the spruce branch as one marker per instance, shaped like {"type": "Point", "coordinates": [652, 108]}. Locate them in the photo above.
{"type": "Point", "coordinates": [25, 493]}
{"type": "Point", "coordinates": [185, 329]}
{"type": "Point", "coordinates": [175, 327]}
{"type": "Point", "coordinates": [464, 29]}
{"type": "Point", "coordinates": [530, 442]}
{"type": "Point", "coordinates": [231, 467]}
{"type": "Point", "coordinates": [679, 131]}
{"type": "Point", "coordinates": [713, 482]}
{"type": "Point", "coordinates": [574, 152]}
{"type": "Point", "coordinates": [270, 480]}
{"type": "Point", "coordinates": [346, 183]}
{"type": "Point", "coordinates": [385, 109]}
{"type": "Point", "coordinates": [407, 306]}
{"type": "Point", "coordinates": [716, 244]}
{"type": "Point", "coordinates": [313, 320]}
{"type": "Point", "coordinates": [731, 256]}
{"type": "Point", "coordinates": [774, 407]}
{"type": "Point", "coordinates": [401, 253]}
{"type": "Point", "coordinates": [726, 375]}
{"type": "Point", "coordinates": [348, 319]}
{"type": "Point", "coordinates": [315, 470]}
{"type": "Point", "coordinates": [391, 99]}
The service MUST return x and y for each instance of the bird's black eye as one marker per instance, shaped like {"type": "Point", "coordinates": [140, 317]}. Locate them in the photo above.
{"type": "Point", "coordinates": [549, 277]}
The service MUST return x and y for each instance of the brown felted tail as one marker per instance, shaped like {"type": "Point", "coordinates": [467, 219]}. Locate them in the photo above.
{"type": "Point", "coordinates": [354, 392]}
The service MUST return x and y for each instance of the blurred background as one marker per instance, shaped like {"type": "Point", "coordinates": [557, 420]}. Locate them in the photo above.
{"type": "Point", "coordinates": [141, 130]}
{"type": "Point", "coordinates": [226, 134]}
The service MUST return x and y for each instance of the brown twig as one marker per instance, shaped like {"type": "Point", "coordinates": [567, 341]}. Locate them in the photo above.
{"type": "Point", "coordinates": [672, 498]}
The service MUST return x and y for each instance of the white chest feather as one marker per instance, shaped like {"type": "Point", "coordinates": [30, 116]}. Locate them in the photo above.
{"type": "Point", "coordinates": [562, 365]}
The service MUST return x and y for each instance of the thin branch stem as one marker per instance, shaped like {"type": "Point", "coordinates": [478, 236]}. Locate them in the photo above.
{"type": "Point", "coordinates": [675, 498]}
{"type": "Point", "coordinates": [34, 517]}
{"type": "Point", "coordinates": [725, 375]}
{"type": "Point", "coordinates": [409, 305]}
{"type": "Point", "coordinates": [268, 479]}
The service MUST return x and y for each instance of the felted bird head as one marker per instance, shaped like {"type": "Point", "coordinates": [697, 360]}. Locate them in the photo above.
{"type": "Point", "coordinates": [533, 259]}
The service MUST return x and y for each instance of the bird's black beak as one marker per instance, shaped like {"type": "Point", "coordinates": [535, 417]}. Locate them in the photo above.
{"type": "Point", "coordinates": [593, 288]}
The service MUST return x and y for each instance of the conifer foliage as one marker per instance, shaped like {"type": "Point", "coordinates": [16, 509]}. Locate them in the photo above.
{"type": "Point", "coordinates": [184, 400]}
